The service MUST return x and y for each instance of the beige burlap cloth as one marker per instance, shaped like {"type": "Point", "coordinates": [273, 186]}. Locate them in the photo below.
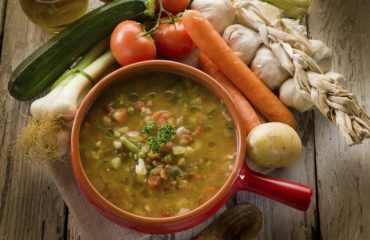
{"type": "Point", "coordinates": [91, 224]}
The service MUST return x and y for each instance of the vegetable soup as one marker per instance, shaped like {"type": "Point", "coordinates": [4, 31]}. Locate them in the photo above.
{"type": "Point", "coordinates": [158, 144]}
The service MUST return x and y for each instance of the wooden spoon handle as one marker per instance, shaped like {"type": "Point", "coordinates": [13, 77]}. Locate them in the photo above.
{"type": "Point", "coordinates": [242, 221]}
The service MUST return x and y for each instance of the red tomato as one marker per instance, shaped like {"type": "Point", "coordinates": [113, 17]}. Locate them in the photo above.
{"type": "Point", "coordinates": [174, 6]}
{"type": "Point", "coordinates": [128, 47]}
{"type": "Point", "coordinates": [172, 40]}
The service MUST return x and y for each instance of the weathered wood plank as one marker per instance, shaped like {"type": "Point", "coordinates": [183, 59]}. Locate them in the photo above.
{"type": "Point", "coordinates": [282, 222]}
{"type": "Point", "coordinates": [185, 235]}
{"type": "Point", "coordinates": [30, 206]}
{"type": "Point", "coordinates": [344, 173]}
{"type": "Point", "coordinates": [2, 21]}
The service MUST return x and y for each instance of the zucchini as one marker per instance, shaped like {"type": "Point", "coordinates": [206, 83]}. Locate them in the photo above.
{"type": "Point", "coordinates": [43, 67]}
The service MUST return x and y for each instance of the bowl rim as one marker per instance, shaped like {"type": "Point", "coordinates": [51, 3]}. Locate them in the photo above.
{"type": "Point", "coordinates": [122, 74]}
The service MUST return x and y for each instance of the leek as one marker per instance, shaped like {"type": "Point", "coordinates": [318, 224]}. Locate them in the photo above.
{"type": "Point", "coordinates": [44, 136]}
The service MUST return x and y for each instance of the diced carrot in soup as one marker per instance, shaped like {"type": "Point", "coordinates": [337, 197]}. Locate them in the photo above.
{"type": "Point", "coordinates": [119, 115]}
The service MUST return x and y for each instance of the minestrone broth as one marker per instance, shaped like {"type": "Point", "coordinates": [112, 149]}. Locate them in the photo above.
{"type": "Point", "coordinates": [158, 144]}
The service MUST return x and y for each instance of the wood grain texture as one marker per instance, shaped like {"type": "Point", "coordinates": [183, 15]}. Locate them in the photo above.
{"type": "Point", "coordinates": [3, 4]}
{"type": "Point", "coordinates": [73, 232]}
{"type": "Point", "coordinates": [280, 221]}
{"type": "Point", "coordinates": [343, 173]}
{"type": "Point", "coordinates": [30, 206]}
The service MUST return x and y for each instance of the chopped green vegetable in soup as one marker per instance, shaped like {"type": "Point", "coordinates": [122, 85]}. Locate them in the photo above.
{"type": "Point", "coordinates": [158, 145]}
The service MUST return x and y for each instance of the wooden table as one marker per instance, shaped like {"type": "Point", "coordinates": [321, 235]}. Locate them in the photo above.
{"type": "Point", "coordinates": [31, 207]}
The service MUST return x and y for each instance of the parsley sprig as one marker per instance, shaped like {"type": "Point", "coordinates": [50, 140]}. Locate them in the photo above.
{"type": "Point", "coordinates": [164, 135]}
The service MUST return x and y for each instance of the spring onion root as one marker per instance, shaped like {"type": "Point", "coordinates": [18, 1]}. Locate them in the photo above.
{"type": "Point", "coordinates": [43, 139]}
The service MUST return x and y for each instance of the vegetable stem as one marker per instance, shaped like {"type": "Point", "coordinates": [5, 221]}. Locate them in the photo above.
{"type": "Point", "coordinates": [85, 61]}
{"type": "Point", "coordinates": [129, 145]}
{"type": "Point", "coordinates": [65, 105]}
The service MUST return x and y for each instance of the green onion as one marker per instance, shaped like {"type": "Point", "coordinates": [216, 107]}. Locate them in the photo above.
{"type": "Point", "coordinates": [85, 61]}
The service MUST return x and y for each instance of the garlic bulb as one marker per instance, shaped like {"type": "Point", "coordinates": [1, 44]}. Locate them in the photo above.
{"type": "Point", "coordinates": [219, 12]}
{"type": "Point", "coordinates": [322, 54]}
{"type": "Point", "coordinates": [267, 67]}
{"type": "Point", "coordinates": [243, 41]}
{"type": "Point", "coordinates": [291, 97]}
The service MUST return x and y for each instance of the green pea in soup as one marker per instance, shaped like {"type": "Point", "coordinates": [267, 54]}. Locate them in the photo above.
{"type": "Point", "coordinates": [158, 145]}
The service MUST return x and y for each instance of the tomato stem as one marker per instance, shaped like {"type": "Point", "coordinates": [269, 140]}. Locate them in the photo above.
{"type": "Point", "coordinates": [158, 21]}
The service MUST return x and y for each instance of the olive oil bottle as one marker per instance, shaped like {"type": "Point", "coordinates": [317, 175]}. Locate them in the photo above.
{"type": "Point", "coordinates": [54, 15]}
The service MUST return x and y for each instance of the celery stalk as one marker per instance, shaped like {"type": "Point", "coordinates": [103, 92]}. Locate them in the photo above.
{"type": "Point", "coordinates": [291, 8]}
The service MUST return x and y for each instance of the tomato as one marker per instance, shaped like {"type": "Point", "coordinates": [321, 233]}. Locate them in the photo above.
{"type": "Point", "coordinates": [128, 46]}
{"type": "Point", "coordinates": [172, 40]}
{"type": "Point", "coordinates": [174, 6]}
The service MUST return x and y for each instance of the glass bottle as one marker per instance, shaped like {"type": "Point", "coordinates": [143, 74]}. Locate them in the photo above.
{"type": "Point", "coordinates": [54, 15]}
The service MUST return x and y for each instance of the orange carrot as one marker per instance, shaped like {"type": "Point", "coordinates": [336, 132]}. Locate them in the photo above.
{"type": "Point", "coordinates": [246, 111]}
{"type": "Point", "coordinates": [120, 115]}
{"type": "Point", "coordinates": [212, 45]}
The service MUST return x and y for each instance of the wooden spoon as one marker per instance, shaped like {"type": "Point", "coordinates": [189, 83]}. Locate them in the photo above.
{"type": "Point", "coordinates": [242, 221]}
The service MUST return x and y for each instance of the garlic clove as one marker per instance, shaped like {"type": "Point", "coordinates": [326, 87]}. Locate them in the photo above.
{"type": "Point", "coordinates": [322, 54]}
{"type": "Point", "coordinates": [268, 68]}
{"type": "Point", "coordinates": [243, 41]}
{"type": "Point", "coordinates": [220, 13]}
{"type": "Point", "coordinates": [290, 96]}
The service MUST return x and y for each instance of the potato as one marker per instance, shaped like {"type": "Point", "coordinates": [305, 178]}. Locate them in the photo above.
{"type": "Point", "coordinates": [273, 145]}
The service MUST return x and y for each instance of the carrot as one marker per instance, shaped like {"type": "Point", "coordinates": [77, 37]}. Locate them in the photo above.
{"type": "Point", "coordinates": [212, 45]}
{"type": "Point", "coordinates": [120, 115]}
{"type": "Point", "coordinates": [247, 113]}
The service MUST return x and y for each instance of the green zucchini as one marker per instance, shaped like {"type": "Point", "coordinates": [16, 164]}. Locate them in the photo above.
{"type": "Point", "coordinates": [43, 67]}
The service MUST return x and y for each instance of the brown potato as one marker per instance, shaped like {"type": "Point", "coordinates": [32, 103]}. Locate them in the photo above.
{"type": "Point", "coordinates": [273, 145]}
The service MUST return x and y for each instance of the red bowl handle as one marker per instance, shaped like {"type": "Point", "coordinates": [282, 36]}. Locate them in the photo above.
{"type": "Point", "coordinates": [292, 194]}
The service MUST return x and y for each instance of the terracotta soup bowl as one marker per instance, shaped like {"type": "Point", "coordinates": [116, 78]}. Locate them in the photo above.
{"type": "Point", "coordinates": [241, 178]}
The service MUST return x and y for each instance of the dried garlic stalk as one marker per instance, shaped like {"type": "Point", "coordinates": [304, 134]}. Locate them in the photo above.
{"type": "Point", "coordinates": [296, 55]}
